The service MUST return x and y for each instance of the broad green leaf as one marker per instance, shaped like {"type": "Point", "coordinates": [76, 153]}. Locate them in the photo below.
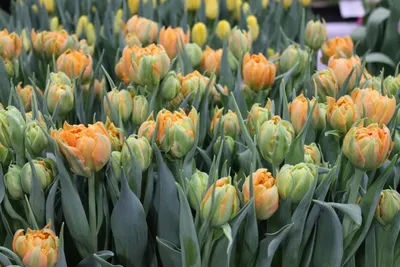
{"type": "Point", "coordinates": [377, 17]}
{"type": "Point", "coordinates": [50, 201]}
{"type": "Point", "coordinates": [380, 58]}
{"type": "Point", "coordinates": [370, 248]}
{"type": "Point", "coordinates": [169, 254]}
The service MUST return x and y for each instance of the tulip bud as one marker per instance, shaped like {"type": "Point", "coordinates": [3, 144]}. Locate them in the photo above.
{"type": "Point", "coordinates": [6, 155]}
{"type": "Point", "coordinates": [294, 181]}
{"type": "Point", "coordinates": [197, 186]}
{"type": "Point", "coordinates": [199, 33]}
{"type": "Point", "coordinates": [230, 5]}
{"type": "Point", "coordinates": [341, 47]}
{"type": "Point", "coordinates": [9, 66]}
{"type": "Point", "coordinates": [223, 29]}
{"type": "Point", "coordinates": [388, 206]}
{"type": "Point", "coordinates": [192, 83]}
{"type": "Point", "coordinates": [122, 103]}
{"type": "Point", "coordinates": [60, 92]}
{"type": "Point", "coordinates": [312, 155]}
{"type": "Point", "coordinates": [258, 73]}
{"type": "Point", "coordinates": [391, 85]}
{"type": "Point", "coordinates": [4, 130]}
{"type": "Point", "coordinates": [29, 118]}
{"type": "Point", "coordinates": [292, 55]}
{"type": "Point", "coordinates": [239, 42]}
{"type": "Point", "coordinates": [74, 64]}
{"type": "Point", "coordinates": [229, 142]}
{"type": "Point", "coordinates": [274, 139]}
{"type": "Point", "coordinates": [115, 134]}
{"type": "Point", "coordinates": [10, 45]}
{"type": "Point", "coordinates": [52, 43]}
{"type": "Point", "coordinates": [133, 6]}
{"type": "Point", "coordinates": [212, 9]}
{"type": "Point", "coordinates": [343, 113]}
{"type": "Point", "coordinates": [322, 113]}
{"type": "Point", "coordinates": [145, 29]}
{"type": "Point", "coordinates": [116, 164]}
{"type": "Point", "coordinates": [211, 61]}
{"type": "Point", "coordinates": [26, 42]}
{"type": "Point", "coordinates": [305, 3]}
{"type": "Point", "coordinates": [140, 109]}
{"type": "Point", "coordinates": [99, 88]}
{"type": "Point", "coordinates": [316, 34]}
{"type": "Point", "coordinates": [194, 52]}
{"type": "Point", "coordinates": [35, 139]}
{"type": "Point", "coordinates": [147, 128]}
{"type": "Point", "coordinates": [171, 86]}
{"type": "Point", "coordinates": [193, 5]}
{"type": "Point", "coordinates": [12, 180]}
{"type": "Point", "coordinates": [171, 38]}
{"type": "Point", "coordinates": [48, 4]}
{"type": "Point", "coordinates": [253, 26]}
{"type": "Point", "coordinates": [266, 196]}
{"type": "Point", "coordinates": [286, 3]}
{"type": "Point", "coordinates": [226, 203]}
{"type": "Point", "coordinates": [325, 83]}
{"type": "Point", "coordinates": [54, 24]}
{"type": "Point", "coordinates": [374, 83]}
{"type": "Point", "coordinates": [298, 112]}
{"type": "Point", "coordinates": [217, 91]}
{"type": "Point", "coordinates": [45, 171]}
{"type": "Point", "coordinates": [16, 123]}
{"type": "Point", "coordinates": [26, 95]}
{"type": "Point", "coordinates": [230, 123]}
{"type": "Point", "coordinates": [140, 148]}
{"type": "Point", "coordinates": [257, 116]}
{"type": "Point", "coordinates": [81, 25]}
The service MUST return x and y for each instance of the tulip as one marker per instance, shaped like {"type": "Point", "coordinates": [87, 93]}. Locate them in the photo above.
{"type": "Point", "coordinates": [55, 24]}
{"type": "Point", "coordinates": [343, 113]}
{"type": "Point", "coordinates": [316, 34]}
{"type": "Point", "coordinates": [377, 108]}
{"type": "Point", "coordinates": [52, 43]}
{"type": "Point", "coordinates": [305, 3]}
{"type": "Point", "coordinates": [10, 67]}
{"type": "Point", "coordinates": [229, 142]}
{"type": "Point", "coordinates": [10, 45]}
{"type": "Point", "coordinates": [36, 247]}
{"type": "Point", "coordinates": [257, 116]}
{"type": "Point", "coordinates": [12, 180]}
{"type": "Point", "coordinates": [298, 112]}
{"type": "Point", "coordinates": [258, 73]}
{"type": "Point", "coordinates": [292, 55]}
{"type": "Point", "coordinates": [367, 148]}
{"type": "Point", "coordinates": [99, 89]}
{"type": "Point", "coordinates": [140, 109]}
{"type": "Point", "coordinates": [147, 128]}
{"type": "Point", "coordinates": [199, 33]}
{"type": "Point", "coordinates": [171, 86]}
{"type": "Point", "coordinates": [171, 39]}
{"type": "Point", "coordinates": [26, 95]}
{"type": "Point", "coordinates": [12, 126]}
{"type": "Point", "coordinates": [229, 121]}
{"type": "Point", "coordinates": [192, 5]}
{"type": "Point", "coordinates": [211, 61]}
{"type": "Point", "coordinates": [274, 139]}
{"type": "Point", "coordinates": [133, 6]}
{"type": "Point", "coordinates": [266, 196]}
{"type": "Point", "coordinates": [253, 26]}
{"type": "Point", "coordinates": [118, 22]}
{"type": "Point", "coordinates": [223, 29]}
{"type": "Point", "coordinates": [239, 42]}
{"type": "Point", "coordinates": [217, 91]}
{"type": "Point", "coordinates": [391, 85]}
{"type": "Point", "coordinates": [29, 118]}
{"type": "Point", "coordinates": [294, 181]}
{"type": "Point", "coordinates": [374, 83]}
{"type": "Point", "coordinates": [87, 149]}
{"type": "Point", "coordinates": [45, 170]}
{"type": "Point", "coordinates": [121, 101]}
{"type": "Point", "coordinates": [140, 148]}
{"type": "Point", "coordinates": [193, 83]}
{"type": "Point", "coordinates": [48, 4]}
{"type": "Point", "coordinates": [60, 92]}
{"type": "Point", "coordinates": [5, 129]}
{"type": "Point", "coordinates": [176, 131]}
{"type": "Point", "coordinates": [145, 66]}
{"type": "Point", "coordinates": [325, 83]}
{"type": "Point", "coordinates": [388, 206]}
{"type": "Point", "coordinates": [119, 70]}
{"type": "Point", "coordinates": [287, 3]}
{"type": "Point", "coordinates": [116, 164]}
{"type": "Point", "coordinates": [197, 186]}
{"type": "Point", "coordinates": [230, 5]}
{"type": "Point", "coordinates": [146, 30]}
{"type": "Point", "coordinates": [341, 47]}
{"type": "Point", "coordinates": [194, 52]}
{"type": "Point", "coordinates": [80, 28]}
{"type": "Point", "coordinates": [26, 42]}
{"type": "Point", "coordinates": [226, 203]}
{"type": "Point", "coordinates": [212, 9]}
{"type": "Point", "coordinates": [35, 139]}
{"type": "Point", "coordinates": [74, 64]}
{"type": "Point", "coordinates": [115, 134]}
{"type": "Point", "coordinates": [322, 114]}
{"type": "Point", "coordinates": [312, 155]}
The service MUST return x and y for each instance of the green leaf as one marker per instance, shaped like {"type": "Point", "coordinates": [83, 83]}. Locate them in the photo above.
{"type": "Point", "coordinates": [377, 17]}
{"type": "Point", "coordinates": [351, 210]}
{"type": "Point", "coordinates": [36, 198]}
{"type": "Point", "coordinates": [148, 194]}
{"type": "Point", "coordinates": [62, 261]}
{"type": "Point", "coordinates": [50, 211]}
{"type": "Point", "coordinates": [169, 254]}
{"type": "Point", "coordinates": [226, 76]}
{"type": "Point", "coordinates": [359, 34]}
{"type": "Point", "coordinates": [370, 248]}
{"type": "Point", "coordinates": [380, 58]}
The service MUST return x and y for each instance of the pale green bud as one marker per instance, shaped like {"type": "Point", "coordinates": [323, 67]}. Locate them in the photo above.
{"type": "Point", "coordinates": [229, 141]}
{"type": "Point", "coordinates": [292, 55]}
{"type": "Point", "coordinates": [116, 164]}
{"type": "Point", "coordinates": [45, 170]}
{"type": "Point", "coordinates": [140, 148]}
{"type": "Point", "coordinates": [17, 128]}
{"type": "Point", "coordinates": [375, 83]}
{"type": "Point", "coordinates": [12, 180]}
{"type": "Point", "coordinates": [140, 109]}
{"type": "Point", "coordinates": [388, 206]}
{"type": "Point", "coordinates": [194, 52]}
{"type": "Point", "coordinates": [315, 34]}
{"type": "Point", "coordinates": [171, 86]}
{"type": "Point", "coordinates": [35, 139]}
{"type": "Point", "coordinates": [312, 154]}
{"type": "Point", "coordinates": [391, 85]}
{"type": "Point", "coordinates": [197, 186]}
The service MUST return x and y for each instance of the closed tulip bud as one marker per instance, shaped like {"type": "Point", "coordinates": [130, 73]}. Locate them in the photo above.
{"type": "Point", "coordinates": [116, 164]}
{"type": "Point", "coordinates": [229, 121]}
{"type": "Point", "coordinates": [74, 64]}
{"type": "Point", "coordinates": [122, 103]}
{"type": "Point", "coordinates": [391, 85]}
{"type": "Point", "coordinates": [60, 78]}
{"type": "Point", "coordinates": [26, 95]}
{"type": "Point", "coordinates": [286, 3]}
{"type": "Point", "coordinates": [377, 108]}
{"type": "Point", "coordinates": [9, 66]}
{"type": "Point", "coordinates": [171, 38]}
{"type": "Point", "coordinates": [12, 180]}
{"type": "Point", "coordinates": [5, 129]}
{"type": "Point", "coordinates": [133, 6]}
{"type": "Point", "coordinates": [316, 34]}
{"type": "Point", "coordinates": [298, 112]}
{"type": "Point", "coordinates": [257, 116]}
{"type": "Point", "coordinates": [367, 148]}
{"type": "Point", "coordinates": [147, 128]}
{"type": "Point", "coordinates": [171, 86]}
{"type": "Point", "coordinates": [10, 45]}
{"type": "Point", "coordinates": [140, 149]}
{"type": "Point", "coordinates": [176, 131]}
{"type": "Point", "coordinates": [145, 29]}
{"type": "Point", "coordinates": [312, 154]}
{"type": "Point", "coordinates": [230, 5]}
{"type": "Point", "coordinates": [194, 52]}
{"type": "Point", "coordinates": [199, 33]}
{"type": "Point", "coordinates": [140, 109]}
{"type": "Point", "coordinates": [264, 3]}
{"type": "Point", "coordinates": [87, 149]}
{"type": "Point", "coordinates": [118, 22]}
{"type": "Point", "coordinates": [274, 139]}
{"type": "Point", "coordinates": [26, 42]}
{"type": "Point", "coordinates": [237, 12]}
{"type": "Point", "coordinates": [211, 61]}
{"type": "Point", "coordinates": [81, 25]}
{"type": "Point", "coordinates": [292, 55]}
{"type": "Point", "coordinates": [388, 206]}
{"type": "Point", "coordinates": [322, 114]}
{"type": "Point", "coordinates": [52, 43]}
{"type": "Point", "coordinates": [29, 118]}
{"type": "Point", "coordinates": [192, 83]}
{"type": "Point", "coordinates": [224, 206]}
{"type": "Point", "coordinates": [54, 24]}
{"type": "Point", "coordinates": [35, 139]}
{"type": "Point", "coordinates": [197, 186]}
{"type": "Point", "coordinates": [258, 73]}
{"type": "Point", "coordinates": [48, 4]}
{"type": "Point", "coordinates": [266, 196]}
{"type": "Point", "coordinates": [294, 181]}
{"type": "Point", "coordinates": [192, 5]}
{"type": "Point", "coordinates": [36, 247]}
{"type": "Point", "coordinates": [341, 47]}
{"type": "Point", "coordinates": [374, 83]}
{"type": "Point", "coordinates": [45, 170]}
{"type": "Point", "coordinates": [239, 42]}
{"type": "Point", "coordinates": [396, 147]}
{"type": "Point", "coordinates": [63, 93]}
{"type": "Point", "coordinates": [91, 34]}
{"type": "Point", "coordinates": [228, 141]}
{"type": "Point", "coordinates": [115, 134]}
{"type": "Point", "coordinates": [253, 26]}
{"type": "Point", "coordinates": [16, 122]}
{"type": "Point", "coordinates": [325, 83]}
{"type": "Point", "coordinates": [223, 29]}
{"type": "Point", "coordinates": [145, 66]}
{"type": "Point", "coordinates": [119, 70]}
{"type": "Point", "coordinates": [305, 3]}
{"type": "Point", "coordinates": [6, 155]}
{"type": "Point", "coordinates": [99, 87]}
{"type": "Point", "coordinates": [212, 9]}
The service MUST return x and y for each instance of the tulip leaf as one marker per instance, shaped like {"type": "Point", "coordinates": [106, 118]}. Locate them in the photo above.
{"type": "Point", "coordinates": [351, 210]}
{"type": "Point", "coordinates": [99, 206]}
{"type": "Point", "coordinates": [50, 203]}
{"type": "Point", "coordinates": [11, 255]}
{"type": "Point", "coordinates": [379, 58]}
{"type": "Point", "coordinates": [4, 261]}
{"type": "Point", "coordinates": [148, 194]}
{"type": "Point", "coordinates": [103, 263]}
{"type": "Point", "coordinates": [2, 186]}
{"type": "Point", "coordinates": [36, 199]}
{"type": "Point", "coordinates": [226, 76]}
{"type": "Point", "coordinates": [284, 101]}
{"type": "Point", "coordinates": [374, 22]}
{"type": "Point", "coordinates": [202, 128]}
{"type": "Point", "coordinates": [169, 254]}
{"type": "Point", "coordinates": [370, 248]}
{"type": "Point", "coordinates": [206, 158]}
{"type": "Point", "coordinates": [328, 249]}
{"type": "Point", "coordinates": [343, 88]}
{"type": "Point", "coordinates": [386, 237]}
{"type": "Point", "coordinates": [183, 55]}
{"type": "Point", "coordinates": [134, 172]}
{"type": "Point", "coordinates": [187, 168]}
{"type": "Point", "coordinates": [238, 94]}
{"type": "Point", "coordinates": [12, 213]}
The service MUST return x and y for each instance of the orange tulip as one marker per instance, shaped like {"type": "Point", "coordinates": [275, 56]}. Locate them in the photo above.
{"type": "Point", "coordinates": [266, 197]}
{"type": "Point", "coordinates": [26, 95]}
{"type": "Point", "coordinates": [192, 83]}
{"type": "Point", "coordinates": [38, 248]}
{"type": "Point", "coordinates": [258, 73]}
{"type": "Point", "coordinates": [377, 108]}
{"type": "Point", "coordinates": [342, 114]}
{"type": "Point", "coordinates": [230, 123]}
{"type": "Point", "coordinates": [146, 30]}
{"type": "Point", "coordinates": [87, 149]}
{"type": "Point", "coordinates": [75, 63]}
{"type": "Point", "coordinates": [10, 44]}
{"type": "Point", "coordinates": [298, 112]}
{"type": "Point", "coordinates": [147, 128]}
{"type": "Point", "coordinates": [211, 61]}
{"type": "Point", "coordinates": [119, 70]}
{"type": "Point", "coordinates": [171, 38]}
{"type": "Point", "coordinates": [52, 43]}
{"type": "Point", "coordinates": [341, 47]}
{"type": "Point", "coordinates": [116, 135]}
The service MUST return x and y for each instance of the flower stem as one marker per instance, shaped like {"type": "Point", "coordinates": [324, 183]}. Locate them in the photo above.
{"type": "Point", "coordinates": [92, 207]}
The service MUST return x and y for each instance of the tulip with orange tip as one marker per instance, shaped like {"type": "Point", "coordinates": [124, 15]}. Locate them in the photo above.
{"type": "Point", "coordinates": [377, 108]}
{"type": "Point", "coordinates": [211, 61]}
{"type": "Point", "coordinates": [146, 30]}
{"type": "Point", "coordinates": [116, 135]}
{"type": "Point", "coordinates": [26, 95]}
{"type": "Point", "coordinates": [266, 196]}
{"type": "Point", "coordinates": [343, 113]}
{"type": "Point", "coordinates": [341, 47]}
{"type": "Point", "coordinates": [193, 82]}
{"type": "Point", "coordinates": [298, 112]}
{"type": "Point", "coordinates": [36, 248]}
{"type": "Point", "coordinates": [147, 128]}
{"type": "Point", "coordinates": [172, 38]}
{"type": "Point", "coordinates": [258, 73]}
{"type": "Point", "coordinates": [87, 149]}
{"type": "Point", "coordinates": [74, 63]}
{"type": "Point", "coordinates": [10, 45]}
{"type": "Point", "coordinates": [119, 70]}
{"type": "Point", "coordinates": [52, 43]}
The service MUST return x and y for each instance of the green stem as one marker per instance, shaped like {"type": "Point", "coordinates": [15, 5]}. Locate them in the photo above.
{"type": "Point", "coordinates": [207, 250]}
{"type": "Point", "coordinates": [92, 207]}
{"type": "Point", "coordinates": [20, 160]}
